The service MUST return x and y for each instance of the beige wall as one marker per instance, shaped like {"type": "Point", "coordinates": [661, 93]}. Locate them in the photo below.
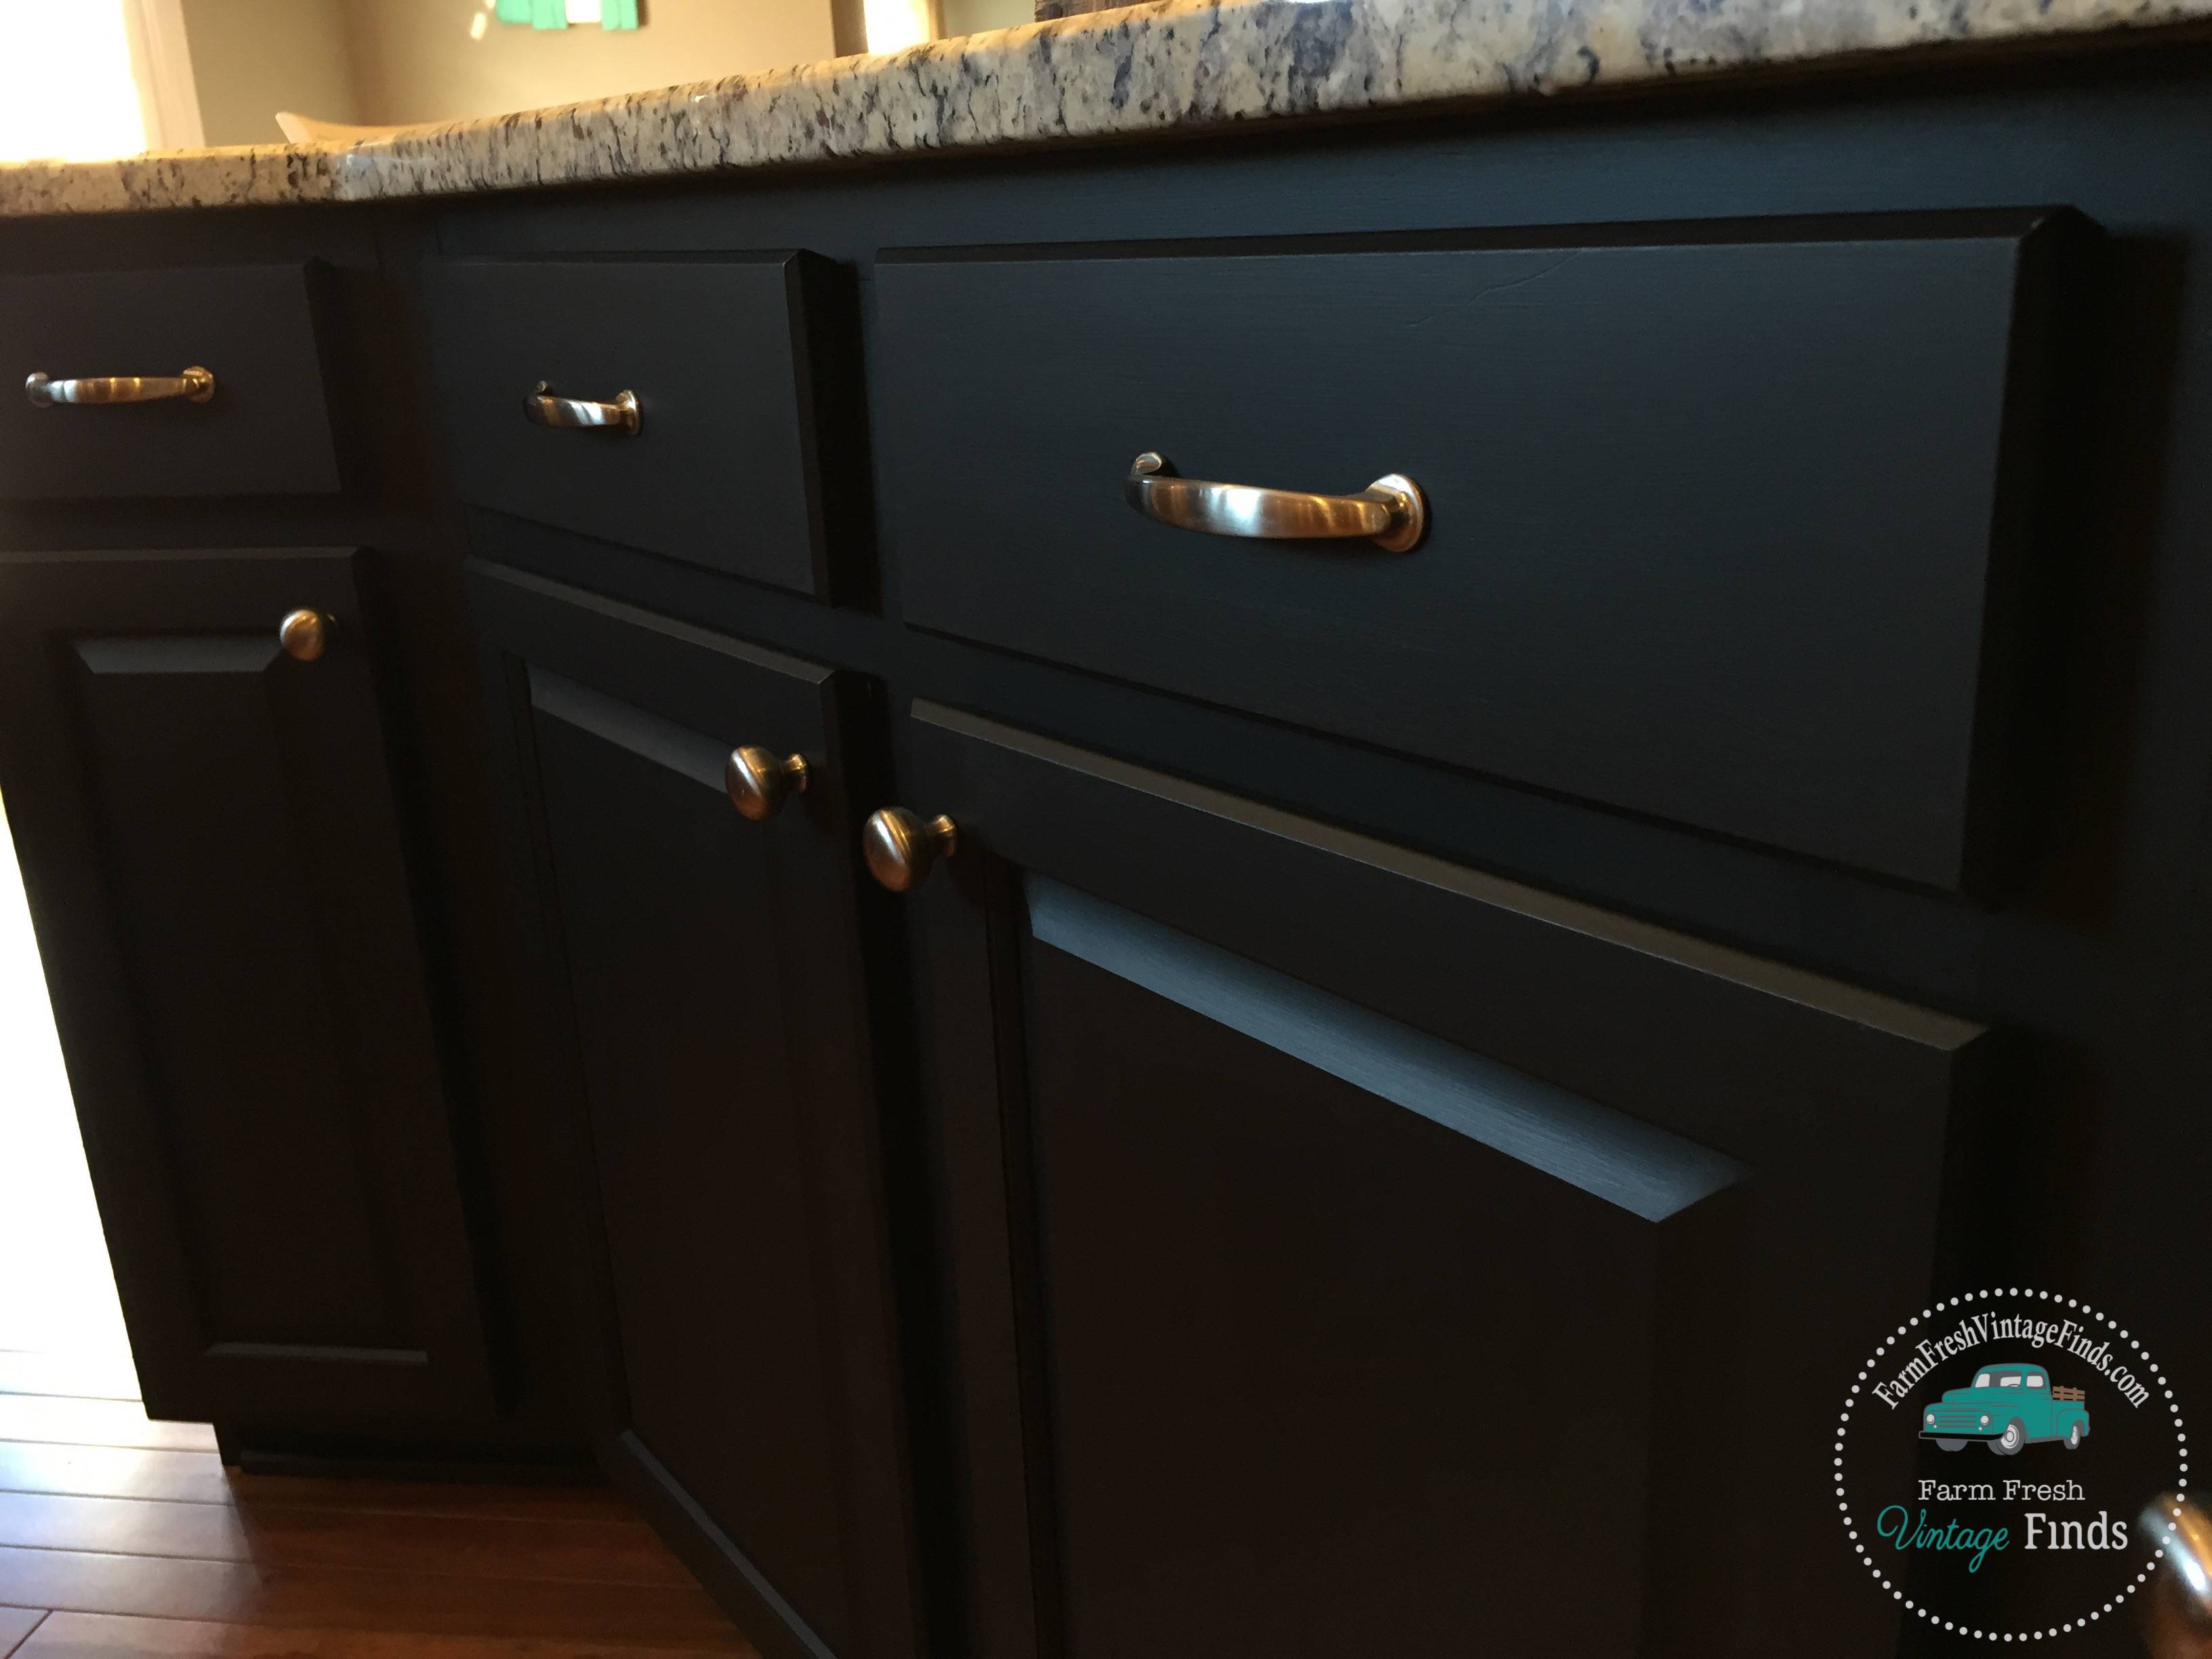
{"type": "Point", "coordinates": [419, 60]}
{"type": "Point", "coordinates": [253, 58]}
{"type": "Point", "coordinates": [392, 61]}
{"type": "Point", "coordinates": [973, 16]}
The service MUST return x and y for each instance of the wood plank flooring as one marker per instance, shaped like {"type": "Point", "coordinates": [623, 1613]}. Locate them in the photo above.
{"type": "Point", "coordinates": [615, 1551]}
{"type": "Point", "coordinates": [100, 1635]}
{"type": "Point", "coordinates": [125, 1538]}
{"type": "Point", "coordinates": [96, 1423]}
{"type": "Point", "coordinates": [69, 1375]}
{"type": "Point", "coordinates": [16, 1623]}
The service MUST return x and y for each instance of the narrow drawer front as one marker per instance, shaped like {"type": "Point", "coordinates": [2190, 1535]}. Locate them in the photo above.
{"type": "Point", "coordinates": [722, 468]}
{"type": "Point", "coordinates": [1720, 529]}
{"type": "Point", "coordinates": [262, 429]}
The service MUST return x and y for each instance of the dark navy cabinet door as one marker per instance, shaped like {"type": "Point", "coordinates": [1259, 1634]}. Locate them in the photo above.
{"type": "Point", "coordinates": [1349, 1252]}
{"type": "Point", "coordinates": [701, 990]}
{"type": "Point", "coordinates": [216, 870]}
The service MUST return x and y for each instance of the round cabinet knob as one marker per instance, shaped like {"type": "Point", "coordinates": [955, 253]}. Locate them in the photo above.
{"type": "Point", "coordinates": [305, 635]}
{"type": "Point", "coordinates": [2178, 1612]}
{"type": "Point", "coordinates": [759, 783]}
{"type": "Point", "coordinates": [902, 849]}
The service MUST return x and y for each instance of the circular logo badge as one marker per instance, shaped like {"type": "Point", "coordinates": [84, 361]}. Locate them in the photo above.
{"type": "Point", "coordinates": [1999, 1464]}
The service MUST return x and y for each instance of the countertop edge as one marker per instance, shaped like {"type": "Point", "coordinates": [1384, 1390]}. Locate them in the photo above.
{"type": "Point", "coordinates": [1166, 68]}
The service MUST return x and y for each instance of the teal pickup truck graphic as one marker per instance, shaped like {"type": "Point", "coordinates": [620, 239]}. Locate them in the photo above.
{"type": "Point", "coordinates": [2007, 1406]}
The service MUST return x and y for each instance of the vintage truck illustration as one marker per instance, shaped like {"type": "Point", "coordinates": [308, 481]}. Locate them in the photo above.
{"type": "Point", "coordinates": [2007, 1406]}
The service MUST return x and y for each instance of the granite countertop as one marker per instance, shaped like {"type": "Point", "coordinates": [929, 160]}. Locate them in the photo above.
{"type": "Point", "coordinates": [1170, 66]}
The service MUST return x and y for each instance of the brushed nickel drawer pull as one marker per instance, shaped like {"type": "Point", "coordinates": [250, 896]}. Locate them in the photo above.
{"type": "Point", "coordinates": [622, 416]}
{"type": "Point", "coordinates": [1391, 512]}
{"type": "Point", "coordinates": [195, 385]}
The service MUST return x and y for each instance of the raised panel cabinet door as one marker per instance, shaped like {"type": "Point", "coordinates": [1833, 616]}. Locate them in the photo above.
{"type": "Point", "coordinates": [213, 858]}
{"type": "Point", "coordinates": [1352, 1253]}
{"type": "Point", "coordinates": [704, 970]}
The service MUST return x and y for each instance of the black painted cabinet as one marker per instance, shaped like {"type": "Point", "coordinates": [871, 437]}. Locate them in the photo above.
{"type": "Point", "coordinates": [739, 454]}
{"type": "Point", "coordinates": [261, 333]}
{"type": "Point", "coordinates": [704, 1008]}
{"type": "Point", "coordinates": [1631, 589]}
{"type": "Point", "coordinates": [1217, 1211]}
{"type": "Point", "coordinates": [219, 876]}
{"type": "Point", "coordinates": [1352, 1253]}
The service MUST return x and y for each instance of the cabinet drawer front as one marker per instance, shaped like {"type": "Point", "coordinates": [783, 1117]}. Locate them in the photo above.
{"type": "Point", "coordinates": [215, 856]}
{"type": "Point", "coordinates": [1384, 1243]}
{"type": "Point", "coordinates": [1721, 531]}
{"type": "Point", "coordinates": [264, 431]}
{"type": "Point", "coordinates": [722, 468]}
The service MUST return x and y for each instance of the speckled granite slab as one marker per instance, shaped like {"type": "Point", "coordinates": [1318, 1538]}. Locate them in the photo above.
{"type": "Point", "coordinates": [1174, 66]}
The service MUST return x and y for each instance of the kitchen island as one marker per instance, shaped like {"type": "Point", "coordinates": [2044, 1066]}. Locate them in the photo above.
{"type": "Point", "coordinates": [1229, 829]}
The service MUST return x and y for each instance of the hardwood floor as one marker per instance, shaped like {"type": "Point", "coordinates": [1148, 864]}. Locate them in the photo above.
{"type": "Point", "coordinates": [74, 1376]}
{"type": "Point", "coordinates": [125, 1538]}
{"type": "Point", "coordinates": [116, 1423]}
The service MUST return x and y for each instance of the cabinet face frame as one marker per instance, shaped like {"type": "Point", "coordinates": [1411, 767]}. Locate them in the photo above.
{"type": "Point", "coordinates": [668, 679]}
{"type": "Point", "coordinates": [1769, 1062]}
{"type": "Point", "coordinates": [213, 615]}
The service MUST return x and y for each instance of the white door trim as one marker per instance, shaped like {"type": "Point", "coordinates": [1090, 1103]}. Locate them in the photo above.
{"type": "Point", "coordinates": [161, 59]}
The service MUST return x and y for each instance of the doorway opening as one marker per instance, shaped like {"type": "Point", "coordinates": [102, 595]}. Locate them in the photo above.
{"type": "Point", "coordinates": [61, 1327]}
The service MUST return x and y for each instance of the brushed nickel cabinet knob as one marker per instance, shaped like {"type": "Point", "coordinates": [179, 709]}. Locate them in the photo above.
{"type": "Point", "coordinates": [759, 783]}
{"type": "Point", "coordinates": [2177, 1614]}
{"type": "Point", "coordinates": [902, 849]}
{"type": "Point", "coordinates": [305, 635]}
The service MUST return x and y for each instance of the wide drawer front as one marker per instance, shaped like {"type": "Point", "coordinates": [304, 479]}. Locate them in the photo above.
{"type": "Point", "coordinates": [115, 411]}
{"type": "Point", "coordinates": [700, 374]}
{"type": "Point", "coordinates": [1722, 530]}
